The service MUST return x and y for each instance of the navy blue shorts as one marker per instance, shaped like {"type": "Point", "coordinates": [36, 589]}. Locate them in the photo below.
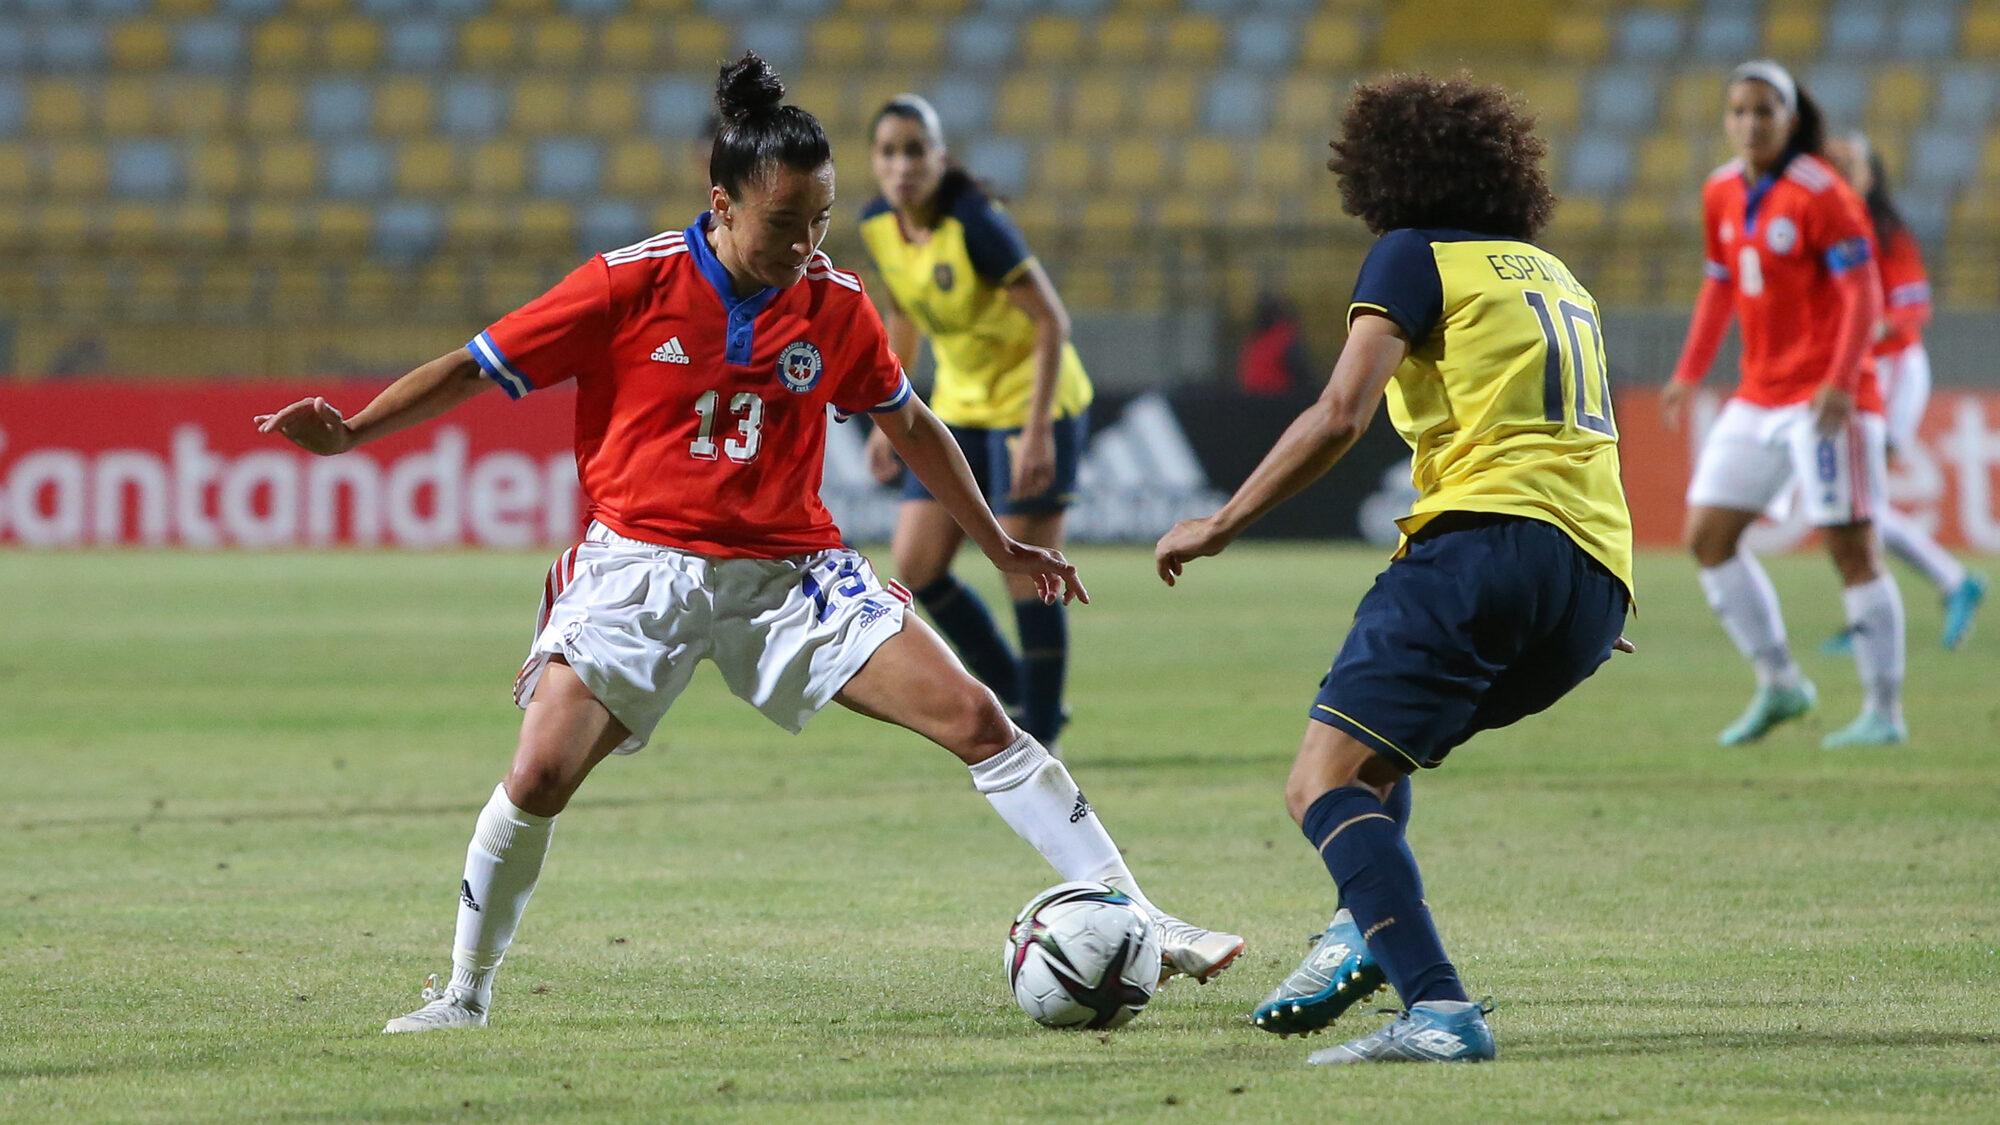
{"type": "Point", "coordinates": [1485, 620]}
{"type": "Point", "coordinates": [990, 453]}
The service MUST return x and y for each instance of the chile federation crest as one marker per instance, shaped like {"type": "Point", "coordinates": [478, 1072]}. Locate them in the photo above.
{"type": "Point", "coordinates": [799, 366]}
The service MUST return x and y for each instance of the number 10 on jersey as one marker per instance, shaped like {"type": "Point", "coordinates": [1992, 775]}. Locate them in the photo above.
{"type": "Point", "coordinates": [1585, 373]}
{"type": "Point", "coordinates": [748, 412]}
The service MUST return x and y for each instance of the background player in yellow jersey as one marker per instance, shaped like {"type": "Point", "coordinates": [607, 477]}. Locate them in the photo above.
{"type": "Point", "coordinates": [1008, 383]}
{"type": "Point", "coordinates": [1515, 574]}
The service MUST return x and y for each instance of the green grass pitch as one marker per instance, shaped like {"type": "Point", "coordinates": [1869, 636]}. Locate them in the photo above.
{"type": "Point", "coordinates": [239, 788]}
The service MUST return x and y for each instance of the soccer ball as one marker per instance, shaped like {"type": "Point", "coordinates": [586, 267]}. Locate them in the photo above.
{"type": "Point", "coordinates": [1082, 955]}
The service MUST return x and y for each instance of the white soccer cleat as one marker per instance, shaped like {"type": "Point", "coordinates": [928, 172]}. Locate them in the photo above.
{"type": "Point", "coordinates": [441, 1010]}
{"type": "Point", "coordinates": [1188, 950]}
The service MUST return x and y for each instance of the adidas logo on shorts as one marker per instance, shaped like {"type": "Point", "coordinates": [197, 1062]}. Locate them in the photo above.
{"type": "Point", "coordinates": [670, 352]}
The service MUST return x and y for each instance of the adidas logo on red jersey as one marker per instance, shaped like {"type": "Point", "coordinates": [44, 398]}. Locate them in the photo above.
{"type": "Point", "coordinates": [670, 352]}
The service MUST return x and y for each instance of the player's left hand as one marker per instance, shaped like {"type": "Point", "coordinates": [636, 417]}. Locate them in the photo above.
{"type": "Point", "coordinates": [1034, 457]}
{"type": "Point", "coordinates": [1831, 409]}
{"type": "Point", "coordinates": [1185, 541]}
{"type": "Point", "coordinates": [1054, 575]}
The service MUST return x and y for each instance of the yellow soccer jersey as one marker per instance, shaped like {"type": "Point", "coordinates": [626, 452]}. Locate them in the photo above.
{"type": "Point", "coordinates": [1505, 396]}
{"type": "Point", "coordinates": [953, 286]}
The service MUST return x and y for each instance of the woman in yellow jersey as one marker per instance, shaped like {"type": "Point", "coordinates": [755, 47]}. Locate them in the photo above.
{"type": "Point", "coordinates": [1008, 383]}
{"type": "Point", "coordinates": [1515, 576]}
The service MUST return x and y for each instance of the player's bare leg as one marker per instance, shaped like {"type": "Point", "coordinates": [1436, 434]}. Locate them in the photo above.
{"type": "Point", "coordinates": [915, 682]}
{"type": "Point", "coordinates": [1044, 631]}
{"type": "Point", "coordinates": [564, 734]}
{"type": "Point", "coordinates": [1875, 623]}
{"type": "Point", "coordinates": [1744, 600]}
{"type": "Point", "coordinates": [925, 541]}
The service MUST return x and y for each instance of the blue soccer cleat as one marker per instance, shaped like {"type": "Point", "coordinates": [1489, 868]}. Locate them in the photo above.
{"type": "Point", "coordinates": [1959, 607]}
{"type": "Point", "coordinates": [1337, 973]}
{"type": "Point", "coordinates": [1871, 728]}
{"type": "Point", "coordinates": [1435, 1031]}
{"type": "Point", "coordinates": [1770, 707]}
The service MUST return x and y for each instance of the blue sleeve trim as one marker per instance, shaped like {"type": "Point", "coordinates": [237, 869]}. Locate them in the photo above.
{"type": "Point", "coordinates": [494, 363]}
{"type": "Point", "coordinates": [992, 240]}
{"type": "Point", "coordinates": [1715, 270]}
{"type": "Point", "coordinates": [1847, 254]}
{"type": "Point", "coordinates": [1400, 277]}
{"type": "Point", "coordinates": [895, 401]}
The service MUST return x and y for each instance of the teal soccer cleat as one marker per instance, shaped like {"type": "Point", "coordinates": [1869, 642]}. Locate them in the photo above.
{"type": "Point", "coordinates": [1959, 607]}
{"type": "Point", "coordinates": [1437, 1031]}
{"type": "Point", "coordinates": [1840, 644]}
{"type": "Point", "coordinates": [1871, 728]}
{"type": "Point", "coordinates": [1337, 973]}
{"type": "Point", "coordinates": [1769, 708]}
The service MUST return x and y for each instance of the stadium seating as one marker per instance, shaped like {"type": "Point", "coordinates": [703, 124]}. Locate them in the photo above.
{"type": "Point", "coordinates": [300, 158]}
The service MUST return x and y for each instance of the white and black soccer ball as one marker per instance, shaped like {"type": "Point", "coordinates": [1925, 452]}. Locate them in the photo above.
{"type": "Point", "coordinates": [1082, 955]}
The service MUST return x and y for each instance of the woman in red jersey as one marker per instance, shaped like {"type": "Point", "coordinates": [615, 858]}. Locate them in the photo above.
{"type": "Point", "coordinates": [1903, 372]}
{"type": "Point", "coordinates": [706, 361]}
{"type": "Point", "coordinates": [1789, 256]}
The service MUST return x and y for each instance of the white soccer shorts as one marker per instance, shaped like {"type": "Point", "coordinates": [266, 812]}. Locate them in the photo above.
{"type": "Point", "coordinates": [634, 618]}
{"type": "Point", "coordinates": [1905, 379]}
{"type": "Point", "coordinates": [1753, 453]}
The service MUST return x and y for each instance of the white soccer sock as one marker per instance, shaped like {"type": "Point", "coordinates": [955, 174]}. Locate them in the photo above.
{"type": "Point", "coordinates": [1741, 595]}
{"type": "Point", "coordinates": [1035, 795]}
{"type": "Point", "coordinates": [1875, 615]}
{"type": "Point", "coordinates": [1901, 534]}
{"type": "Point", "coordinates": [501, 866]}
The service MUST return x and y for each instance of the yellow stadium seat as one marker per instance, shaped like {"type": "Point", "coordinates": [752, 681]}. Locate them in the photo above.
{"type": "Point", "coordinates": [319, 9]}
{"type": "Point", "coordinates": [298, 292]}
{"type": "Point", "coordinates": [369, 291]}
{"type": "Point", "coordinates": [1087, 285]}
{"type": "Point", "coordinates": [610, 106]}
{"type": "Point", "coordinates": [510, 287]}
{"type": "Point", "coordinates": [287, 168]}
{"type": "Point", "coordinates": [487, 42]}
{"type": "Point", "coordinates": [546, 223]}
{"type": "Point", "coordinates": [1167, 102]}
{"type": "Point", "coordinates": [1643, 214]}
{"type": "Point", "coordinates": [1064, 166]}
{"type": "Point", "coordinates": [1792, 30]}
{"type": "Point", "coordinates": [938, 7]}
{"type": "Point", "coordinates": [826, 97]}
{"type": "Point", "coordinates": [1123, 38]}
{"type": "Point", "coordinates": [281, 44]}
{"type": "Point", "coordinates": [1209, 166]}
{"type": "Point", "coordinates": [1900, 99]}
{"type": "Point", "coordinates": [86, 286]}
{"type": "Point", "coordinates": [1184, 211]}
{"type": "Point", "coordinates": [1192, 39]}
{"type": "Point", "coordinates": [498, 168]}
{"type": "Point", "coordinates": [215, 169]}
{"type": "Point", "coordinates": [871, 7]}
{"type": "Point", "coordinates": [524, 7]}
{"type": "Point", "coordinates": [635, 168]}
{"type": "Point", "coordinates": [140, 45]}
{"type": "Point", "coordinates": [1134, 165]}
{"type": "Point", "coordinates": [471, 224]}
{"type": "Point", "coordinates": [1971, 283]}
{"type": "Point", "coordinates": [1307, 103]}
{"type": "Point", "coordinates": [1580, 36]}
{"type": "Point", "coordinates": [200, 226]}
{"type": "Point", "coordinates": [1666, 162]}
{"type": "Point", "coordinates": [196, 105]}
{"type": "Point", "coordinates": [913, 42]}
{"type": "Point", "coordinates": [128, 105]}
{"type": "Point", "coordinates": [17, 168]}
{"type": "Point", "coordinates": [1051, 39]}
{"type": "Point", "coordinates": [1251, 212]}
{"type": "Point", "coordinates": [1333, 41]}
{"type": "Point", "coordinates": [403, 107]}
{"type": "Point", "coordinates": [271, 108]}
{"type": "Point", "coordinates": [839, 41]}
{"type": "Point", "coordinates": [351, 44]}
{"type": "Point", "coordinates": [1097, 103]}
{"type": "Point", "coordinates": [426, 167]}
{"type": "Point", "coordinates": [697, 42]}
{"type": "Point", "coordinates": [1151, 7]}
{"type": "Point", "coordinates": [1554, 96]}
{"type": "Point", "coordinates": [558, 43]}
{"type": "Point", "coordinates": [59, 106]}
{"type": "Point", "coordinates": [267, 225]}
{"type": "Point", "coordinates": [158, 290]}
{"type": "Point", "coordinates": [1027, 104]}
{"type": "Point", "coordinates": [1111, 216]}
{"type": "Point", "coordinates": [663, 7]}
{"type": "Point", "coordinates": [77, 168]}
{"type": "Point", "coordinates": [1695, 99]}
{"type": "Point", "coordinates": [341, 226]}
{"type": "Point", "coordinates": [182, 9]}
{"type": "Point", "coordinates": [1981, 35]}
{"type": "Point", "coordinates": [1280, 165]}
{"type": "Point", "coordinates": [627, 43]}
{"type": "Point", "coordinates": [541, 105]}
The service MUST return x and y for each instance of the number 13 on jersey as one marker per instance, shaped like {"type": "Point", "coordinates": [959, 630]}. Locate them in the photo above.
{"type": "Point", "coordinates": [1580, 368]}
{"type": "Point", "coordinates": [748, 411]}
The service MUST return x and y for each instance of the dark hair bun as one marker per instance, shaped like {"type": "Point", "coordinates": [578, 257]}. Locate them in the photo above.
{"type": "Point", "coordinates": [746, 87]}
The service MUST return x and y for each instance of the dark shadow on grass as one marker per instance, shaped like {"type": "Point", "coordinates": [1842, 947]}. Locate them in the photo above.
{"type": "Point", "coordinates": [1759, 1042]}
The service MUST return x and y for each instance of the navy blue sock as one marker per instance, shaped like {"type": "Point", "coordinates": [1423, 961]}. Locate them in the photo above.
{"type": "Point", "coordinates": [1044, 661]}
{"type": "Point", "coordinates": [1363, 849]}
{"type": "Point", "coordinates": [963, 620]}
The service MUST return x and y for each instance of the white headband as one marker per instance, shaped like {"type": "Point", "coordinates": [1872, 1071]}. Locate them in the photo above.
{"type": "Point", "coordinates": [1770, 73]}
{"type": "Point", "coordinates": [926, 114]}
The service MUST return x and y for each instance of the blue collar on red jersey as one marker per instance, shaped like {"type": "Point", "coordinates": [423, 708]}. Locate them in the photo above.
{"type": "Point", "coordinates": [1760, 188]}
{"type": "Point", "coordinates": [742, 335]}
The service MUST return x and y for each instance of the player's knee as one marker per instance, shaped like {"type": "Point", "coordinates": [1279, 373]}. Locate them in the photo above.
{"type": "Point", "coordinates": [978, 727]}
{"type": "Point", "coordinates": [539, 786]}
{"type": "Point", "coordinates": [1710, 545]}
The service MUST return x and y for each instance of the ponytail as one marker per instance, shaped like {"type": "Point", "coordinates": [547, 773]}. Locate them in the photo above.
{"type": "Point", "coordinates": [757, 132]}
{"type": "Point", "coordinates": [1808, 127]}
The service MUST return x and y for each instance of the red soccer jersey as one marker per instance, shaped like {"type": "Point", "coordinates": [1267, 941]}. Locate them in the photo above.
{"type": "Point", "coordinates": [1780, 242]}
{"type": "Point", "coordinates": [701, 417]}
{"type": "Point", "coordinates": [1906, 293]}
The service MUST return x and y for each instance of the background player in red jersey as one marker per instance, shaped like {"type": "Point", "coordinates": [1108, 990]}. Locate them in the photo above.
{"type": "Point", "coordinates": [1789, 251]}
{"type": "Point", "coordinates": [1903, 372]}
{"type": "Point", "coordinates": [706, 361]}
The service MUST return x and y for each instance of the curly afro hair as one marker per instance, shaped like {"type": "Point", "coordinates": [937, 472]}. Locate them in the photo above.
{"type": "Point", "coordinates": [1418, 151]}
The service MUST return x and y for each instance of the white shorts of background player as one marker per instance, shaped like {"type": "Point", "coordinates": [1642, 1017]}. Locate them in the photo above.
{"type": "Point", "coordinates": [1752, 454]}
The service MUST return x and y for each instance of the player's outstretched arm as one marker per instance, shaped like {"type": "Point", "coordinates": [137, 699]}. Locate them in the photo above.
{"type": "Point", "coordinates": [928, 449]}
{"type": "Point", "coordinates": [1309, 447]}
{"type": "Point", "coordinates": [315, 426]}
